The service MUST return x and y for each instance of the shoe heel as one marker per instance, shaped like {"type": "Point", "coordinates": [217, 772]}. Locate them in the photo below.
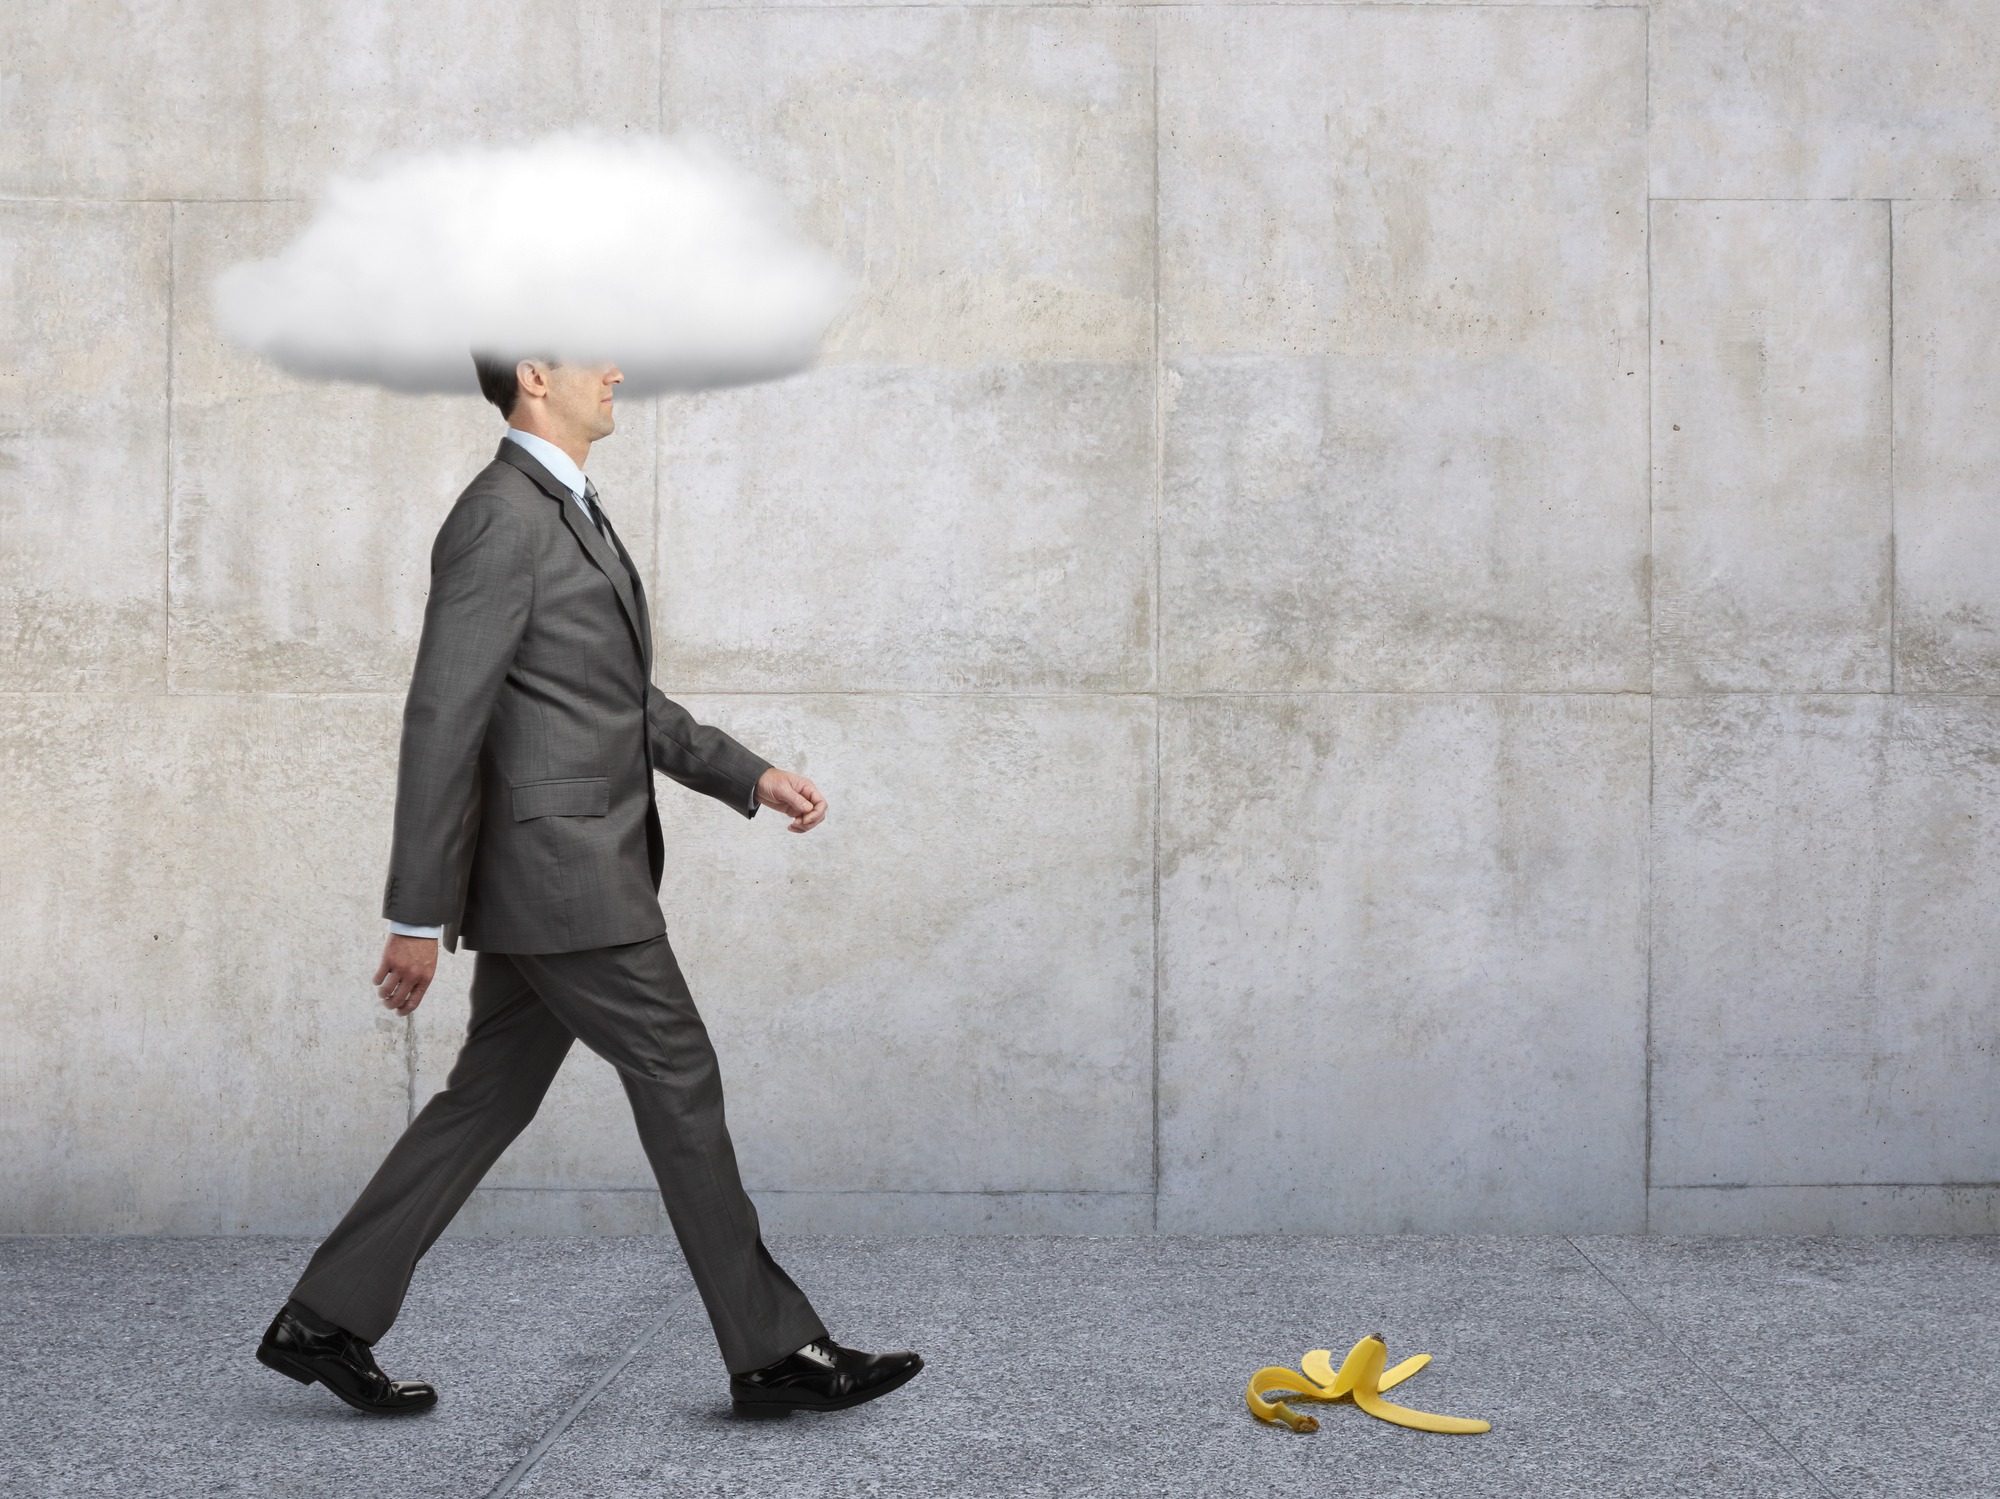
{"type": "Point", "coordinates": [286, 1367]}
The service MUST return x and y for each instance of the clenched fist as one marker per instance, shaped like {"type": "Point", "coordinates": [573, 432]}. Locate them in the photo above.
{"type": "Point", "coordinates": [793, 795]}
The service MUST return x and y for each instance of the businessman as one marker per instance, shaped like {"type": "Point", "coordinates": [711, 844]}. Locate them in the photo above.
{"type": "Point", "coordinates": [526, 829]}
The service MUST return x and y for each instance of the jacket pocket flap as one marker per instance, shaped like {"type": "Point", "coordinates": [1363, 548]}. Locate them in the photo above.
{"type": "Point", "coordinates": [580, 798]}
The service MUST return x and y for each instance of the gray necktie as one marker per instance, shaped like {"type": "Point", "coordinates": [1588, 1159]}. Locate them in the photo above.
{"type": "Point", "coordinates": [597, 513]}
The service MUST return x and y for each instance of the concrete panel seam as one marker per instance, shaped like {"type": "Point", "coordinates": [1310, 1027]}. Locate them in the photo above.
{"type": "Point", "coordinates": [904, 1192]}
{"type": "Point", "coordinates": [571, 1188]}
{"type": "Point", "coordinates": [1772, 198]}
{"type": "Point", "coordinates": [410, 1069]}
{"type": "Point", "coordinates": [67, 201]}
{"type": "Point", "coordinates": [1177, 693]}
{"type": "Point", "coordinates": [1701, 1369]}
{"type": "Point", "coordinates": [1945, 1186]}
{"type": "Point", "coordinates": [1652, 677]}
{"type": "Point", "coordinates": [173, 475]}
{"type": "Point", "coordinates": [1920, 696]}
{"type": "Point", "coordinates": [815, 7]}
{"type": "Point", "coordinates": [1191, 694]}
{"type": "Point", "coordinates": [567, 1188]}
{"type": "Point", "coordinates": [1646, 1070]}
{"type": "Point", "coordinates": [1890, 206]}
{"type": "Point", "coordinates": [1710, 692]}
{"type": "Point", "coordinates": [534, 1455]}
{"type": "Point", "coordinates": [659, 128]}
{"type": "Point", "coordinates": [1159, 603]}
{"type": "Point", "coordinates": [209, 694]}
{"type": "Point", "coordinates": [1817, 692]}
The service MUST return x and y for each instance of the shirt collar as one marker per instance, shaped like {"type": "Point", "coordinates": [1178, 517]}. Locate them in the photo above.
{"type": "Point", "coordinates": [552, 458]}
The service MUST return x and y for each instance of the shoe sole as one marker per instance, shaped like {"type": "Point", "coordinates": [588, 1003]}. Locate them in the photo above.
{"type": "Point", "coordinates": [781, 1407]}
{"type": "Point", "coordinates": [291, 1368]}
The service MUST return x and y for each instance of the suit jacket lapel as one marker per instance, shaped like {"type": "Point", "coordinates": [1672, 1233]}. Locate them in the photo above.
{"type": "Point", "coordinates": [643, 621]}
{"type": "Point", "coordinates": [607, 561]}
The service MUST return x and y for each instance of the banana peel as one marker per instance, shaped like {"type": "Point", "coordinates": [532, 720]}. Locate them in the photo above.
{"type": "Point", "coordinates": [1361, 1378]}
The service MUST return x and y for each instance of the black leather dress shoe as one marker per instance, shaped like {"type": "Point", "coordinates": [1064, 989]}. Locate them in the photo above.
{"type": "Point", "coordinates": [822, 1376]}
{"type": "Point", "coordinates": [309, 1348]}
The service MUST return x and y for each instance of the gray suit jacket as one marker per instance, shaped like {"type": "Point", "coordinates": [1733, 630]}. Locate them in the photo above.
{"type": "Point", "coordinates": [524, 798]}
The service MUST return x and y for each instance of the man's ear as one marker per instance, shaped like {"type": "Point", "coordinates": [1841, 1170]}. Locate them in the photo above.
{"type": "Point", "coordinates": [533, 381]}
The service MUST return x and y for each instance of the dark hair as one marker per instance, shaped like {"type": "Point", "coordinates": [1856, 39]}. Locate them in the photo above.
{"type": "Point", "coordinates": [500, 380]}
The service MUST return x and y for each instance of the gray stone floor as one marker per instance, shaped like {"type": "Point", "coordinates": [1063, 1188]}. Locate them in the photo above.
{"type": "Point", "coordinates": [1730, 1367]}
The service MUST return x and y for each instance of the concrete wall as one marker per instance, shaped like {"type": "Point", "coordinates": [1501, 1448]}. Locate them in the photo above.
{"type": "Point", "coordinates": [1399, 606]}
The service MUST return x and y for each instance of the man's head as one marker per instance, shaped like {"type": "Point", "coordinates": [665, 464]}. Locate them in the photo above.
{"type": "Point", "coordinates": [568, 404]}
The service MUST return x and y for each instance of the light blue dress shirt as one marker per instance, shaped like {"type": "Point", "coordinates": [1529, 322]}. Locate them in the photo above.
{"type": "Point", "coordinates": [557, 462]}
{"type": "Point", "coordinates": [565, 472]}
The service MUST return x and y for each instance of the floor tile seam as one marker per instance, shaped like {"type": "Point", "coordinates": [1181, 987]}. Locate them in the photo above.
{"type": "Point", "coordinates": [1700, 1369]}
{"type": "Point", "coordinates": [533, 1457]}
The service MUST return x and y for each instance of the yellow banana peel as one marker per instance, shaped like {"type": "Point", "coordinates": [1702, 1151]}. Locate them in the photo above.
{"type": "Point", "coordinates": [1360, 1378]}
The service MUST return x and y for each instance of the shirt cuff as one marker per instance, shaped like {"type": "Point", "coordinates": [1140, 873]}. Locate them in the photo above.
{"type": "Point", "coordinates": [404, 929]}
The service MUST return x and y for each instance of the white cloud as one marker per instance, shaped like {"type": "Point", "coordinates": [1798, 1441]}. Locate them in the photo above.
{"type": "Point", "coordinates": [653, 253]}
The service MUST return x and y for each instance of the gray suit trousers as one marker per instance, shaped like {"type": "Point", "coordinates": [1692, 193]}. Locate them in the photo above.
{"type": "Point", "coordinates": [632, 1007]}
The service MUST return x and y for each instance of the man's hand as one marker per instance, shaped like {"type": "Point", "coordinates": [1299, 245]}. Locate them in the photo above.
{"type": "Point", "coordinates": [408, 965]}
{"type": "Point", "coordinates": [795, 796]}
